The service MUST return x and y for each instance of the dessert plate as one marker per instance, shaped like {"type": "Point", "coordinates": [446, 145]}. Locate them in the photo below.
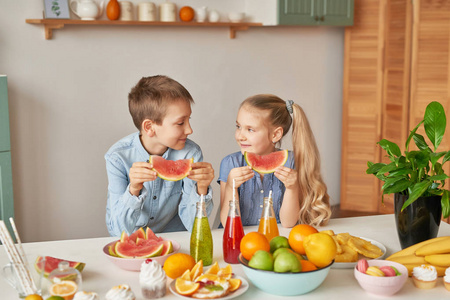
{"type": "Point", "coordinates": [350, 265]}
{"type": "Point", "coordinates": [242, 289]}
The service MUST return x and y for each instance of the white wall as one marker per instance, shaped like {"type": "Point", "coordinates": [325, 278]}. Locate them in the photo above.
{"type": "Point", "coordinates": [68, 102]}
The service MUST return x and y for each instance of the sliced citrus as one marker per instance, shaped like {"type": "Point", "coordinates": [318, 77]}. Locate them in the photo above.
{"type": "Point", "coordinates": [210, 277]}
{"type": "Point", "coordinates": [214, 269]}
{"type": "Point", "coordinates": [197, 270]}
{"type": "Point", "coordinates": [235, 283]}
{"type": "Point", "coordinates": [65, 289]}
{"type": "Point", "coordinates": [186, 275]}
{"type": "Point", "coordinates": [186, 287]}
{"type": "Point", "coordinates": [226, 272]}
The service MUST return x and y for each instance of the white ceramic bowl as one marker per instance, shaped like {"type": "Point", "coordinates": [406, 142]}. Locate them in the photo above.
{"type": "Point", "coordinates": [134, 264]}
{"type": "Point", "coordinates": [382, 286]}
{"type": "Point", "coordinates": [236, 17]}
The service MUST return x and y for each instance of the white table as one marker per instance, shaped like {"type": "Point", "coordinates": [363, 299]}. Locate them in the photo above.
{"type": "Point", "coordinates": [100, 274]}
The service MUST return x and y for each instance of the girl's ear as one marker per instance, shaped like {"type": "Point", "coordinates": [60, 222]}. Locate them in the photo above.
{"type": "Point", "coordinates": [277, 134]}
{"type": "Point", "coordinates": [148, 127]}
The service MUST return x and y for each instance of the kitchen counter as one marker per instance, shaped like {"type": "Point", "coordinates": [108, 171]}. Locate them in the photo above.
{"type": "Point", "coordinates": [100, 274]}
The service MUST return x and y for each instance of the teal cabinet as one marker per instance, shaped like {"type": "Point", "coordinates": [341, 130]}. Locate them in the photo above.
{"type": "Point", "coordinates": [315, 12]}
{"type": "Point", "coordinates": [6, 187]}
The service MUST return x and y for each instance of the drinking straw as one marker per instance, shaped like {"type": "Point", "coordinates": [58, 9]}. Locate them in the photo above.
{"type": "Point", "coordinates": [19, 242]}
{"type": "Point", "coordinates": [270, 194]}
{"type": "Point", "coordinates": [202, 198]}
{"type": "Point", "coordinates": [234, 190]}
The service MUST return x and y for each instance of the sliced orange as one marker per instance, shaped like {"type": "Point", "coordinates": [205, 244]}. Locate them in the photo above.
{"type": "Point", "coordinates": [235, 283]}
{"type": "Point", "coordinates": [226, 272]}
{"type": "Point", "coordinates": [186, 275]}
{"type": "Point", "coordinates": [214, 269]}
{"type": "Point", "coordinates": [210, 277]}
{"type": "Point", "coordinates": [65, 289]}
{"type": "Point", "coordinates": [186, 287]}
{"type": "Point", "coordinates": [197, 270]}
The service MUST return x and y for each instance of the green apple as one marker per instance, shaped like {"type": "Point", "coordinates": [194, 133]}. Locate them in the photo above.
{"type": "Point", "coordinates": [261, 260]}
{"type": "Point", "coordinates": [286, 262]}
{"type": "Point", "coordinates": [281, 250]}
{"type": "Point", "coordinates": [278, 242]}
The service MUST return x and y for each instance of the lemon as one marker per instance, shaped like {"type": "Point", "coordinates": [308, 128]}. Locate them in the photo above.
{"type": "Point", "coordinates": [320, 249]}
{"type": "Point", "coordinates": [33, 297]}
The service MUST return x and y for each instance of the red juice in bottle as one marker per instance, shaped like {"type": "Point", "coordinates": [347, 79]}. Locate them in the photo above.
{"type": "Point", "coordinates": [232, 235]}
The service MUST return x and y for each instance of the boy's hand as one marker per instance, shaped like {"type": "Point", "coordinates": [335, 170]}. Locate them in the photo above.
{"type": "Point", "coordinates": [140, 172]}
{"type": "Point", "coordinates": [240, 175]}
{"type": "Point", "coordinates": [203, 174]}
{"type": "Point", "coordinates": [287, 176]}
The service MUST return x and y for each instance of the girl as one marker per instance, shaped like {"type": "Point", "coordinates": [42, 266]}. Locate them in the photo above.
{"type": "Point", "coordinates": [299, 193]}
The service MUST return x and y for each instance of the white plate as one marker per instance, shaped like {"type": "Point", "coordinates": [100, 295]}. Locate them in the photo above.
{"type": "Point", "coordinates": [242, 289]}
{"type": "Point", "coordinates": [351, 265]}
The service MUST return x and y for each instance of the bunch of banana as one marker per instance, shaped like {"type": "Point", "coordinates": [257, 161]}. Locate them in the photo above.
{"type": "Point", "coordinates": [434, 252]}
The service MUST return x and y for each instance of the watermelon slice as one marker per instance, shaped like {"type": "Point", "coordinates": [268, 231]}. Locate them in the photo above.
{"type": "Point", "coordinates": [52, 263]}
{"type": "Point", "coordinates": [265, 164]}
{"type": "Point", "coordinates": [131, 250]}
{"type": "Point", "coordinates": [172, 170]}
{"type": "Point", "coordinates": [150, 235]}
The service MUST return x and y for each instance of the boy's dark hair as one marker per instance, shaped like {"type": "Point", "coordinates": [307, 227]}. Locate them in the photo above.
{"type": "Point", "coordinates": [151, 96]}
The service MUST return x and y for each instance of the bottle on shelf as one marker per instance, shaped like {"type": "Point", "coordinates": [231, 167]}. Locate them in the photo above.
{"type": "Point", "coordinates": [201, 238]}
{"type": "Point", "coordinates": [268, 223]}
{"type": "Point", "coordinates": [233, 232]}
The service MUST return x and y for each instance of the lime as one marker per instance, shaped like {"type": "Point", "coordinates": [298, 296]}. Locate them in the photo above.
{"type": "Point", "coordinates": [55, 298]}
{"type": "Point", "coordinates": [261, 260]}
{"type": "Point", "coordinates": [278, 242]}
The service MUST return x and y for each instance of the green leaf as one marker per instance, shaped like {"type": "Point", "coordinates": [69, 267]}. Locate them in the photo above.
{"type": "Point", "coordinates": [387, 168]}
{"type": "Point", "coordinates": [434, 123]}
{"type": "Point", "coordinates": [397, 187]}
{"type": "Point", "coordinates": [418, 190]}
{"type": "Point", "coordinates": [434, 157]}
{"type": "Point", "coordinates": [420, 142]}
{"type": "Point", "coordinates": [411, 135]}
{"type": "Point", "coordinates": [374, 168]}
{"type": "Point", "coordinates": [422, 158]}
{"type": "Point", "coordinates": [400, 172]}
{"type": "Point", "coordinates": [438, 177]}
{"type": "Point", "coordinates": [445, 203]}
{"type": "Point", "coordinates": [446, 157]}
{"type": "Point", "coordinates": [391, 148]}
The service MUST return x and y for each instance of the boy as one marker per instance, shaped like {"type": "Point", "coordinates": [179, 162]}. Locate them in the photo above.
{"type": "Point", "coordinates": [160, 108]}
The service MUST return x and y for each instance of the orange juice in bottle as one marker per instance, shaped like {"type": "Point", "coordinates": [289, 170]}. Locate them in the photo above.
{"type": "Point", "coordinates": [268, 223]}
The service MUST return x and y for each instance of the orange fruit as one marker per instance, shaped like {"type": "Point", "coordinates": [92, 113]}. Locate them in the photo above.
{"type": "Point", "coordinates": [186, 275]}
{"type": "Point", "coordinates": [307, 265]}
{"type": "Point", "coordinates": [197, 270]}
{"type": "Point", "coordinates": [187, 14]}
{"type": "Point", "coordinates": [65, 289]}
{"type": "Point", "coordinates": [214, 269]}
{"type": "Point", "coordinates": [298, 234]}
{"type": "Point", "coordinates": [176, 264]}
{"type": "Point", "coordinates": [235, 283]}
{"type": "Point", "coordinates": [252, 242]}
{"type": "Point", "coordinates": [320, 249]}
{"type": "Point", "coordinates": [226, 272]}
{"type": "Point", "coordinates": [186, 287]}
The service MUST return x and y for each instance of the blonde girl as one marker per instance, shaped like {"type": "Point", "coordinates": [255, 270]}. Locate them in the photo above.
{"type": "Point", "coordinates": [299, 193]}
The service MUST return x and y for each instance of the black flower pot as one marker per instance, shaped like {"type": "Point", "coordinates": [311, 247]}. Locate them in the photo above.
{"type": "Point", "coordinates": [419, 221]}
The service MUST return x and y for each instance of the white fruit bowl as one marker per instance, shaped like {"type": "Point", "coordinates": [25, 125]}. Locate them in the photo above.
{"type": "Point", "coordinates": [285, 284]}
{"type": "Point", "coordinates": [134, 264]}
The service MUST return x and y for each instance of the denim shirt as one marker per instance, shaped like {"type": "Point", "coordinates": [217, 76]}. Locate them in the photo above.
{"type": "Point", "coordinates": [253, 191]}
{"type": "Point", "coordinates": [162, 205]}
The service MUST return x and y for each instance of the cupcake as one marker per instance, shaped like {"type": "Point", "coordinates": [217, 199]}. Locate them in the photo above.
{"type": "Point", "coordinates": [424, 277]}
{"type": "Point", "coordinates": [447, 279]}
{"type": "Point", "coordinates": [152, 279]}
{"type": "Point", "coordinates": [86, 296]}
{"type": "Point", "coordinates": [120, 292]}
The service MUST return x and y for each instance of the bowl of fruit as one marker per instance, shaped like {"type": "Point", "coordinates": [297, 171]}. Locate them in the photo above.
{"type": "Point", "coordinates": [380, 277]}
{"type": "Point", "coordinates": [131, 251]}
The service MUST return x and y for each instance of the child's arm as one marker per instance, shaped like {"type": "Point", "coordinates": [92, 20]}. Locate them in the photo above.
{"type": "Point", "coordinates": [203, 174]}
{"type": "Point", "coordinates": [291, 205]}
{"type": "Point", "coordinates": [140, 172]}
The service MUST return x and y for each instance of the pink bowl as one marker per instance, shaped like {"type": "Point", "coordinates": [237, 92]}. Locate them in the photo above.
{"type": "Point", "coordinates": [134, 264]}
{"type": "Point", "coordinates": [382, 286]}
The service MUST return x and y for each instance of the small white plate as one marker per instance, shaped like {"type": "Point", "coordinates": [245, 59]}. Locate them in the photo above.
{"type": "Point", "coordinates": [242, 289]}
{"type": "Point", "coordinates": [351, 265]}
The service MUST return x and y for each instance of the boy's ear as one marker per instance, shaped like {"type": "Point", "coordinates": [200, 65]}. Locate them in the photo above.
{"type": "Point", "coordinates": [277, 134]}
{"type": "Point", "coordinates": [148, 127]}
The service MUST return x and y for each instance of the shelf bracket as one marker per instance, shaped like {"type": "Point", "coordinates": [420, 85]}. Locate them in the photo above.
{"type": "Point", "coordinates": [49, 28]}
{"type": "Point", "coordinates": [233, 30]}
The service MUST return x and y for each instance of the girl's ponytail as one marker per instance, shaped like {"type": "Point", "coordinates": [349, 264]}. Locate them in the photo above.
{"type": "Point", "coordinates": [315, 209]}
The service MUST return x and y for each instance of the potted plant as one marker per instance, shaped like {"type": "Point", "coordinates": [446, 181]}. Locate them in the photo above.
{"type": "Point", "coordinates": [417, 179]}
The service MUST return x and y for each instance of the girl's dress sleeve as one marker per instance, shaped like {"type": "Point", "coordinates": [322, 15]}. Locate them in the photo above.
{"type": "Point", "coordinates": [225, 167]}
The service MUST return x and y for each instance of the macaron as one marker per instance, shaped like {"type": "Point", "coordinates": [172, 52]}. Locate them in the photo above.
{"type": "Point", "coordinates": [362, 265]}
{"type": "Point", "coordinates": [375, 271]}
{"type": "Point", "coordinates": [388, 271]}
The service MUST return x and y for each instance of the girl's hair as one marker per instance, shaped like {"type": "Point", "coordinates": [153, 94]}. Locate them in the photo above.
{"type": "Point", "coordinates": [314, 202]}
{"type": "Point", "coordinates": [151, 96]}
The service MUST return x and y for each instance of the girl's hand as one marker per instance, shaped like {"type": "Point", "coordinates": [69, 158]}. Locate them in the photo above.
{"type": "Point", "coordinates": [287, 176]}
{"type": "Point", "coordinates": [140, 172]}
{"type": "Point", "coordinates": [240, 175]}
{"type": "Point", "coordinates": [203, 174]}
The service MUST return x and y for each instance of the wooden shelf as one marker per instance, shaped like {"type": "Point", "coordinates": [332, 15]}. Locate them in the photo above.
{"type": "Point", "coordinates": [50, 24]}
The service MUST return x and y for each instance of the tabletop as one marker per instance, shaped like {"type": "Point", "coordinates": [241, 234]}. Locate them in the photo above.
{"type": "Point", "coordinates": [100, 274]}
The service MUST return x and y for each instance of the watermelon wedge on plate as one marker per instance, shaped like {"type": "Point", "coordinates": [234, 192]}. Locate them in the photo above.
{"type": "Point", "coordinates": [265, 164]}
{"type": "Point", "coordinates": [52, 263]}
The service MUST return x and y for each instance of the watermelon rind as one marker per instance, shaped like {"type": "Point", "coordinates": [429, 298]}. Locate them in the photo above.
{"type": "Point", "coordinates": [131, 250]}
{"type": "Point", "coordinates": [140, 233]}
{"type": "Point", "coordinates": [171, 169]}
{"type": "Point", "coordinates": [124, 237]}
{"type": "Point", "coordinates": [150, 235]}
{"type": "Point", "coordinates": [51, 263]}
{"type": "Point", "coordinates": [265, 164]}
{"type": "Point", "coordinates": [168, 247]}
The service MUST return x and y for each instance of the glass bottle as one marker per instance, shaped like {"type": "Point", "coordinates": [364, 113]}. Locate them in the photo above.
{"type": "Point", "coordinates": [201, 238]}
{"type": "Point", "coordinates": [232, 234]}
{"type": "Point", "coordinates": [268, 223]}
{"type": "Point", "coordinates": [65, 272]}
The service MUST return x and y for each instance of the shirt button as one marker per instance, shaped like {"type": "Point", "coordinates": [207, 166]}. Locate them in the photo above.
{"type": "Point", "coordinates": [262, 191]}
{"type": "Point", "coordinates": [260, 206]}
{"type": "Point", "coordinates": [154, 197]}
{"type": "Point", "coordinates": [151, 218]}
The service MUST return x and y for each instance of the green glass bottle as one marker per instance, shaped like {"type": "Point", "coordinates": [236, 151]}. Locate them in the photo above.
{"type": "Point", "coordinates": [201, 238]}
